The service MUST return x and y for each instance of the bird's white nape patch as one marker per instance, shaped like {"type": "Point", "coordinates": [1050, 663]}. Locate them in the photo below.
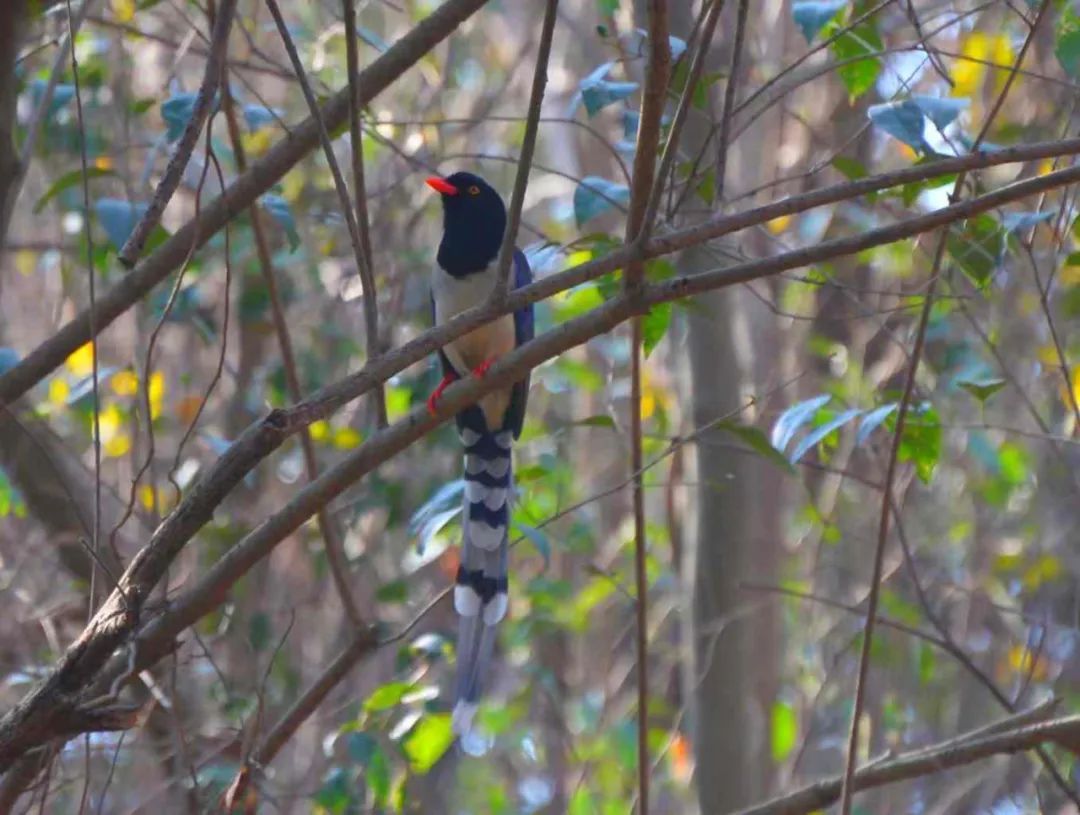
{"type": "Point", "coordinates": [495, 610]}
{"type": "Point", "coordinates": [484, 536]}
{"type": "Point", "coordinates": [466, 601]}
{"type": "Point", "coordinates": [462, 718]}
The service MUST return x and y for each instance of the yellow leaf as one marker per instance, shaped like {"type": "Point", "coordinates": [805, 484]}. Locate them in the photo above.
{"type": "Point", "coordinates": [319, 430]}
{"type": "Point", "coordinates": [124, 383]}
{"type": "Point", "coordinates": [1074, 377]}
{"type": "Point", "coordinates": [81, 361]}
{"type": "Point", "coordinates": [103, 163]}
{"type": "Point", "coordinates": [146, 496]}
{"type": "Point", "coordinates": [110, 422]}
{"type": "Point", "coordinates": [346, 438]}
{"type": "Point", "coordinates": [397, 402]}
{"type": "Point", "coordinates": [1069, 275]}
{"type": "Point", "coordinates": [258, 142]}
{"type": "Point", "coordinates": [778, 225]}
{"type": "Point", "coordinates": [578, 257]}
{"type": "Point", "coordinates": [123, 10]}
{"type": "Point", "coordinates": [26, 262]}
{"type": "Point", "coordinates": [1024, 662]}
{"type": "Point", "coordinates": [156, 392]}
{"type": "Point", "coordinates": [58, 392]}
{"type": "Point", "coordinates": [117, 446]}
{"type": "Point", "coordinates": [978, 49]}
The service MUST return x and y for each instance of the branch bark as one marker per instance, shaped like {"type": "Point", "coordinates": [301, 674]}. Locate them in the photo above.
{"type": "Point", "coordinates": [204, 101]}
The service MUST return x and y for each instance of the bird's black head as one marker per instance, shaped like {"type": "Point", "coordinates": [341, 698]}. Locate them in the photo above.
{"type": "Point", "coordinates": [474, 220]}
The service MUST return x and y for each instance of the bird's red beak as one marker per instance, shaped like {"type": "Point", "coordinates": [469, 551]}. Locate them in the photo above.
{"type": "Point", "coordinates": [441, 185]}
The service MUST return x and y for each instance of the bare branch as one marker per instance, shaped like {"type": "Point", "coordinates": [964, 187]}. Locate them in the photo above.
{"type": "Point", "coordinates": [362, 258]}
{"type": "Point", "coordinates": [528, 146]}
{"type": "Point", "coordinates": [356, 141]}
{"type": "Point", "coordinates": [215, 62]}
{"type": "Point", "coordinates": [956, 752]}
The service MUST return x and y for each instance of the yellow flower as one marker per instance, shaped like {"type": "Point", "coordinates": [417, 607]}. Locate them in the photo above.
{"type": "Point", "coordinates": [124, 383]}
{"type": "Point", "coordinates": [346, 438]}
{"type": "Point", "coordinates": [115, 441]}
{"type": "Point", "coordinates": [81, 361]}
{"type": "Point", "coordinates": [319, 430]}
{"type": "Point", "coordinates": [156, 393]}
{"type": "Point", "coordinates": [146, 496]}
{"type": "Point", "coordinates": [58, 392]}
{"type": "Point", "coordinates": [123, 10]}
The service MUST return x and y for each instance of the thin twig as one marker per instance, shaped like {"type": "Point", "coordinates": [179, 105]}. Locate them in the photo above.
{"type": "Point", "coordinates": [342, 190]}
{"type": "Point", "coordinates": [332, 543]}
{"type": "Point", "coordinates": [356, 142]}
{"type": "Point", "coordinates": [95, 528]}
{"type": "Point", "coordinates": [671, 146]}
{"type": "Point", "coordinates": [848, 789]}
{"type": "Point", "coordinates": [528, 146]}
{"type": "Point", "coordinates": [204, 101]}
{"type": "Point", "coordinates": [729, 100]}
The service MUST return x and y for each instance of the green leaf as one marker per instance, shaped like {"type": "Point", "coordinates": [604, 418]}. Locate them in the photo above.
{"type": "Point", "coordinates": [66, 181]}
{"type": "Point", "coordinates": [335, 795]}
{"type": "Point", "coordinates": [1067, 42]}
{"type": "Point", "coordinates": [859, 76]}
{"type": "Point", "coordinates": [378, 778]}
{"type": "Point", "coordinates": [654, 326]}
{"type": "Point", "coordinates": [756, 440]}
{"type": "Point", "coordinates": [594, 421]}
{"type": "Point", "coordinates": [927, 663]}
{"type": "Point", "coordinates": [428, 742]}
{"type": "Point", "coordinates": [396, 591]}
{"type": "Point", "coordinates": [386, 696]}
{"type": "Point", "coordinates": [982, 389]}
{"type": "Point", "coordinates": [812, 15]}
{"type": "Point", "coordinates": [978, 248]}
{"type": "Point", "coordinates": [921, 442]}
{"type": "Point", "coordinates": [259, 631]}
{"type": "Point", "coordinates": [783, 730]}
{"type": "Point", "coordinates": [595, 196]}
{"type": "Point", "coordinates": [852, 169]}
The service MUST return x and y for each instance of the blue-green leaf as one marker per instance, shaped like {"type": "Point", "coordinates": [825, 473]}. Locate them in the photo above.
{"type": "Point", "coordinates": [901, 120]}
{"type": "Point", "coordinates": [9, 358]}
{"type": "Point", "coordinates": [597, 92]}
{"type": "Point", "coordinates": [538, 539]}
{"type": "Point", "coordinates": [819, 433]}
{"type": "Point", "coordinates": [595, 195]}
{"type": "Point", "coordinates": [66, 181]}
{"type": "Point", "coordinates": [436, 513]}
{"type": "Point", "coordinates": [176, 111]}
{"type": "Point", "coordinates": [871, 421]}
{"type": "Point", "coordinates": [1019, 221]}
{"type": "Point", "coordinates": [982, 389]}
{"type": "Point", "coordinates": [756, 440]}
{"type": "Point", "coordinates": [118, 218]}
{"type": "Point", "coordinates": [280, 211]}
{"type": "Point", "coordinates": [257, 116]}
{"type": "Point", "coordinates": [793, 418]}
{"type": "Point", "coordinates": [812, 15]}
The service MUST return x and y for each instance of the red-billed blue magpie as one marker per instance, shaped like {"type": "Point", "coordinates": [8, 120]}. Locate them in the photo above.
{"type": "Point", "coordinates": [474, 220]}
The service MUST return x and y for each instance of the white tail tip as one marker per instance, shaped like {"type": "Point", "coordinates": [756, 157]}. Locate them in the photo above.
{"type": "Point", "coordinates": [462, 718]}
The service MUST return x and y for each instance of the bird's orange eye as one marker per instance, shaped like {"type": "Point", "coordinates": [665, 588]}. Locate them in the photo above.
{"type": "Point", "coordinates": [474, 190]}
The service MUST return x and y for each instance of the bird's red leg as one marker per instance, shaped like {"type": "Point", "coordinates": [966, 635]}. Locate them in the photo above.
{"type": "Point", "coordinates": [432, 402]}
{"type": "Point", "coordinates": [483, 367]}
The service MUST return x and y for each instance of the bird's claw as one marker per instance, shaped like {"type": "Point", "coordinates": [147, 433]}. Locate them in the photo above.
{"type": "Point", "coordinates": [433, 400]}
{"type": "Point", "coordinates": [483, 368]}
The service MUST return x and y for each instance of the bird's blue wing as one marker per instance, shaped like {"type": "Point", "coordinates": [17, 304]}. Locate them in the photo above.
{"type": "Point", "coordinates": [524, 330]}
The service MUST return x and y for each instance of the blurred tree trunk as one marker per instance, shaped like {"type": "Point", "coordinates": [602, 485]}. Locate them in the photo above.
{"type": "Point", "coordinates": [736, 533]}
{"type": "Point", "coordinates": [11, 25]}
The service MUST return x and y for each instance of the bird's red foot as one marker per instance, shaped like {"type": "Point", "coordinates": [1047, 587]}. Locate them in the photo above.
{"type": "Point", "coordinates": [483, 368]}
{"type": "Point", "coordinates": [433, 400]}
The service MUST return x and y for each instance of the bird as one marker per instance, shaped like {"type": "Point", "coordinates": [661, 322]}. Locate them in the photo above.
{"type": "Point", "coordinates": [464, 275]}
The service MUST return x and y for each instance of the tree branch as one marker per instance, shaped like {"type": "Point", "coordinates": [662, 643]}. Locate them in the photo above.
{"type": "Point", "coordinates": [956, 752]}
{"type": "Point", "coordinates": [264, 173]}
{"type": "Point", "coordinates": [356, 143]}
{"type": "Point", "coordinates": [215, 63]}
{"type": "Point", "coordinates": [528, 145]}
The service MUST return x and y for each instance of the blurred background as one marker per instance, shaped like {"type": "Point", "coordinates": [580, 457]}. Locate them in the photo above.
{"type": "Point", "coordinates": [768, 411]}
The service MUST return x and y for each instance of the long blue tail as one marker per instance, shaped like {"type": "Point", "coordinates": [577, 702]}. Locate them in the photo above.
{"type": "Point", "coordinates": [480, 591]}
